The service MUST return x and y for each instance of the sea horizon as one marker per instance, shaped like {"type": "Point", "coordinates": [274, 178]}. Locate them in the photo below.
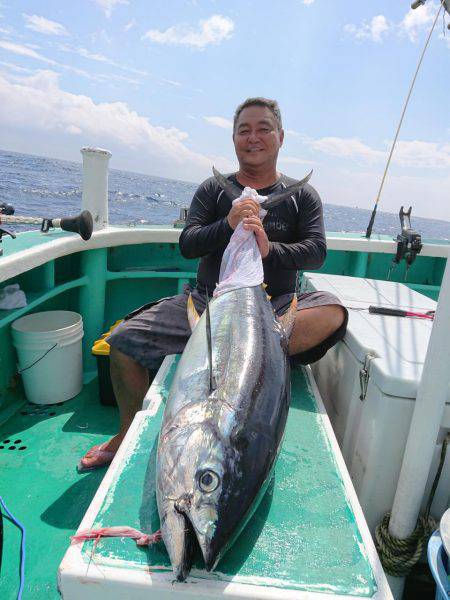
{"type": "Point", "coordinates": [35, 183]}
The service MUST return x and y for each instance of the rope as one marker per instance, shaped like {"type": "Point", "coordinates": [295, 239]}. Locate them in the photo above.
{"type": "Point", "coordinates": [398, 556]}
{"type": "Point", "coordinates": [372, 218]}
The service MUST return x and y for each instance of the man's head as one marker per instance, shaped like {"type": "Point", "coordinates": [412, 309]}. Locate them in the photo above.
{"type": "Point", "coordinates": [257, 133]}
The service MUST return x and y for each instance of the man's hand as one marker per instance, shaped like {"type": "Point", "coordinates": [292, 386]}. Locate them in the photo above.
{"type": "Point", "coordinates": [255, 224]}
{"type": "Point", "coordinates": [241, 210]}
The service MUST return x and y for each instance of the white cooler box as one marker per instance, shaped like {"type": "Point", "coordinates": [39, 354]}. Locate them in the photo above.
{"type": "Point", "coordinates": [369, 383]}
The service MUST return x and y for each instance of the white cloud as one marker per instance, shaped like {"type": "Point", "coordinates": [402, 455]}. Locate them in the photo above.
{"type": "Point", "coordinates": [422, 154]}
{"type": "Point", "coordinates": [97, 57]}
{"type": "Point", "coordinates": [428, 195]}
{"type": "Point", "coordinates": [412, 25]}
{"type": "Point", "coordinates": [307, 2]}
{"type": "Point", "coordinates": [413, 154]}
{"type": "Point", "coordinates": [22, 50]}
{"type": "Point", "coordinates": [220, 122]}
{"type": "Point", "coordinates": [374, 30]}
{"type": "Point", "coordinates": [210, 31]}
{"type": "Point", "coordinates": [101, 35]}
{"type": "Point", "coordinates": [38, 104]}
{"type": "Point", "coordinates": [417, 20]}
{"type": "Point", "coordinates": [130, 24]}
{"type": "Point", "coordinates": [109, 5]}
{"type": "Point", "coordinates": [346, 148]}
{"type": "Point", "coordinates": [171, 82]}
{"type": "Point", "coordinates": [14, 67]}
{"type": "Point", "coordinates": [43, 25]}
{"type": "Point", "coordinates": [295, 160]}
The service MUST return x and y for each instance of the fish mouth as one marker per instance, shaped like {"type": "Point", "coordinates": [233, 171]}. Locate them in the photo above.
{"type": "Point", "coordinates": [192, 544]}
{"type": "Point", "coordinates": [209, 547]}
{"type": "Point", "coordinates": [180, 541]}
{"type": "Point", "coordinates": [211, 557]}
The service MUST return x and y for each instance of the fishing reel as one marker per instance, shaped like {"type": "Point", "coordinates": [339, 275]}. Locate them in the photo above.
{"type": "Point", "coordinates": [81, 224]}
{"type": "Point", "coordinates": [5, 209]}
{"type": "Point", "coordinates": [409, 242]}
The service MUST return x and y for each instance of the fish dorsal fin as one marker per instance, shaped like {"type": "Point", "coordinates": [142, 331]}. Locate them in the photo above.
{"type": "Point", "coordinates": [231, 190]}
{"type": "Point", "coordinates": [212, 381]}
{"type": "Point", "coordinates": [192, 314]}
{"type": "Point", "coordinates": [278, 197]}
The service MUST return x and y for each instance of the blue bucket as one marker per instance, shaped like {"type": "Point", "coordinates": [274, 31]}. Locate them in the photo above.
{"type": "Point", "coordinates": [439, 565]}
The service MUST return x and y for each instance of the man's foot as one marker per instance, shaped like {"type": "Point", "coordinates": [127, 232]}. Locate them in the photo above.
{"type": "Point", "coordinates": [100, 455]}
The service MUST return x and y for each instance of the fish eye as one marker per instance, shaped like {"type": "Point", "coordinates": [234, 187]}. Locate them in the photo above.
{"type": "Point", "coordinates": [208, 481]}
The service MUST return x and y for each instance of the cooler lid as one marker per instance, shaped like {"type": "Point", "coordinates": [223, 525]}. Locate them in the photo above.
{"type": "Point", "coordinates": [398, 344]}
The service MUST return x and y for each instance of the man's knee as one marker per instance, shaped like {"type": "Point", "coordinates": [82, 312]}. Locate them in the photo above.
{"type": "Point", "coordinates": [335, 315]}
{"type": "Point", "coordinates": [119, 359]}
{"type": "Point", "coordinates": [330, 317]}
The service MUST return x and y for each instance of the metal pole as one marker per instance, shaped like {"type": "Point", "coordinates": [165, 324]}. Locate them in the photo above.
{"type": "Point", "coordinates": [95, 185]}
{"type": "Point", "coordinates": [425, 424]}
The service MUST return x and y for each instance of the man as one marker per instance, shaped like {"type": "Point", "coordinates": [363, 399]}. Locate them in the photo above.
{"type": "Point", "coordinates": [292, 237]}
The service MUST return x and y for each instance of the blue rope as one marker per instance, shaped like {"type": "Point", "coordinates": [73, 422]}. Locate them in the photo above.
{"type": "Point", "coordinates": [22, 548]}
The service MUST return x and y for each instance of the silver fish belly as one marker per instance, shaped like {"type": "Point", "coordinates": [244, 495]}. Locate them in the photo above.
{"type": "Point", "coordinates": [217, 448]}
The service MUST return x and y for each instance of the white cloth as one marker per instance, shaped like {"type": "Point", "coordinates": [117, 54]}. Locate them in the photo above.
{"type": "Point", "coordinates": [241, 264]}
{"type": "Point", "coordinates": [11, 296]}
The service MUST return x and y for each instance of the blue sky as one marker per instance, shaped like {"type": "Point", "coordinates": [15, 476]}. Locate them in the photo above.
{"type": "Point", "coordinates": [157, 84]}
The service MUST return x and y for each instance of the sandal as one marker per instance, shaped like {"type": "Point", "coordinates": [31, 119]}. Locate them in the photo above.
{"type": "Point", "coordinates": [98, 458]}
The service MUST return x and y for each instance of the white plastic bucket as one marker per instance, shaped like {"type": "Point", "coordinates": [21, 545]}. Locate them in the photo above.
{"type": "Point", "coordinates": [49, 349]}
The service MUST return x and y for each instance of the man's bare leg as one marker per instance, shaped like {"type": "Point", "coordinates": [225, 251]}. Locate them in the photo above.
{"type": "Point", "coordinates": [130, 383]}
{"type": "Point", "coordinates": [314, 325]}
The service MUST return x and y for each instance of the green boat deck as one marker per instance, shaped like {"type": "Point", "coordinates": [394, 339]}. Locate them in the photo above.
{"type": "Point", "coordinates": [303, 537]}
{"type": "Point", "coordinates": [304, 534]}
{"type": "Point", "coordinates": [41, 487]}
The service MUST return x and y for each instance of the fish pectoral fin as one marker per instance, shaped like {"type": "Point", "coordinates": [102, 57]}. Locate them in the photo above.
{"type": "Point", "coordinates": [212, 380]}
{"type": "Point", "coordinates": [192, 314]}
{"type": "Point", "coordinates": [288, 319]}
{"type": "Point", "coordinates": [264, 286]}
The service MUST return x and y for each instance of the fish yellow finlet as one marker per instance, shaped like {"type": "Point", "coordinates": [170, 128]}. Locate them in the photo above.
{"type": "Point", "coordinates": [192, 314]}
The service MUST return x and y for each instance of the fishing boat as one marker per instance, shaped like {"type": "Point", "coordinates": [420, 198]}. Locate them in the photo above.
{"type": "Point", "coordinates": [311, 537]}
{"type": "Point", "coordinates": [365, 443]}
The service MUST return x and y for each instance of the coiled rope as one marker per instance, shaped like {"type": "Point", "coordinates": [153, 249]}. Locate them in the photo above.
{"type": "Point", "coordinates": [398, 556]}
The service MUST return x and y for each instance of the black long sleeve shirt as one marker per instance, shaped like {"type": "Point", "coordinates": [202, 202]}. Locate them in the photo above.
{"type": "Point", "coordinates": [295, 230]}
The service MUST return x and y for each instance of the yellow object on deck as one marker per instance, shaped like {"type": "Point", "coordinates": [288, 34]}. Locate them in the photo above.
{"type": "Point", "coordinates": [101, 346]}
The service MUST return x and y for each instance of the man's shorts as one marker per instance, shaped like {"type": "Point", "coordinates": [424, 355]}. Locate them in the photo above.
{"type": "Point", "coordinates": [155, 330]}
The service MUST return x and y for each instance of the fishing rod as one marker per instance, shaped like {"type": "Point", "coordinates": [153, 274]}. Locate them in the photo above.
{"type": "Point", "coordinates": [81, 224]}
{"type": "Point", "coordinates": [444, 4]}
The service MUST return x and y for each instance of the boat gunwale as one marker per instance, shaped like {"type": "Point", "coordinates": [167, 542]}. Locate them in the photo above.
{"type": "Point", "coordinates": [60, 244]}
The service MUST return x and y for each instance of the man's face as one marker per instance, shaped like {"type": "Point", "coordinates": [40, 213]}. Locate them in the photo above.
{"type": "Point", "coordinates": [257, 138]}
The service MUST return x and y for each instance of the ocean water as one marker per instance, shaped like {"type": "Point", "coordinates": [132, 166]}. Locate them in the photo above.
{"type": "Point", "coordinates": [48, 187]}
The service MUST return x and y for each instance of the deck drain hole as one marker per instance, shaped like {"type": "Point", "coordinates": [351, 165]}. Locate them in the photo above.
{"type": "Point", "coordinates": [22, 448]}
{"type": "Point", "coordinates": [12, 448]}
{"type": "Point", "coordinates": [52, 414]}
{"type": "Point", "coordinates": [6, 441]}
{"type": "Point", "coordinates": [1, 447]}
{"type": "Point", "coordinates": [17, 441]}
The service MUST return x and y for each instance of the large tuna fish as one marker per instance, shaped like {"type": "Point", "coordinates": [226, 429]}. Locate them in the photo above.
{"type": "Point", "coordinates": [223, 422]}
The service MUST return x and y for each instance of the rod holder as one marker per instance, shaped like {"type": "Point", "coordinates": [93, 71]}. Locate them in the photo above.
{"type": "Point", "coordinates": [95, 185]}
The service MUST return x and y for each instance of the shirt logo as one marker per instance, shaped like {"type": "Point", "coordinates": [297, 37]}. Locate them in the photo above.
{"type": "Point", "coordinates": [275, 225]}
